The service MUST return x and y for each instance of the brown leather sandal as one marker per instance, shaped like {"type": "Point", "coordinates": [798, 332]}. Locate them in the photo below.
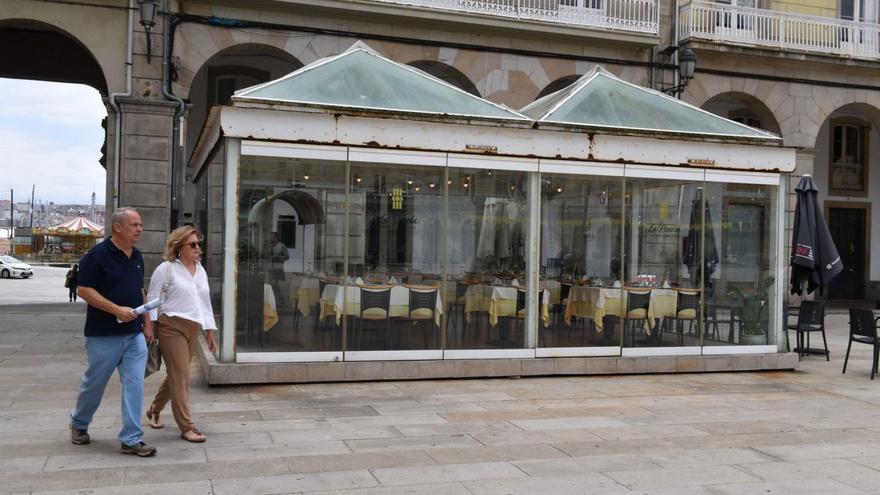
{"type": "Point", "coordinates": [199, 436]}
{"type": "Point", "coordinates": [153, 420]}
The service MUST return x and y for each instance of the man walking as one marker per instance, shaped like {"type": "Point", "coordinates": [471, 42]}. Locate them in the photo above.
{"type": "Point", "coordinates": [111, 281]}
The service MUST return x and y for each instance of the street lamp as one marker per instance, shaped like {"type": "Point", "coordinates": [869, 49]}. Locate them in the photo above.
{"type": "Point", "coordinates": [687, 63]}
{"type": "Point", "coordinates": [148, 10]}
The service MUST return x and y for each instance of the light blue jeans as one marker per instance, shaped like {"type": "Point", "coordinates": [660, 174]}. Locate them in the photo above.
{"type": "Point", "coordinates": [128, 354]}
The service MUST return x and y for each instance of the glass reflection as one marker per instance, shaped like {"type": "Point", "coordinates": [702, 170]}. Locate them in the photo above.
{"type": "Point", "coordinates": [665, 258]}
{"type": "Point", "coordinates": [394, 299]}
{"type": "Point", "coordinates": [486, 252]}
{"type": "Point", "coordinates": [740, 219]}
{"type": "Point", "coordinates": [291, 215]}
{"type": "Point", "coordinates": [580, 259]}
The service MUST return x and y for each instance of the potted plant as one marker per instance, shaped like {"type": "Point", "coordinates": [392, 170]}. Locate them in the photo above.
{"type": "Point", "coordinates": [754, 306]}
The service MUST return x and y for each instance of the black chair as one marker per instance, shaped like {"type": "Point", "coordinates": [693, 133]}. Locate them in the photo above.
{"type": "Point", "coordinates": [863, 327]}
{"type": "Point", "coordinates": [375, 306]}
{"type": "Point", "coordinates": [423, 308]}
{"type": "Point", "coordinates": [687, 309]}
{"type": "Point", "coordinates": [720, 314]}
{"type": "Point", "coordinates": [637, 302]}
{"type": "Point", "coordinates": [811, 318]}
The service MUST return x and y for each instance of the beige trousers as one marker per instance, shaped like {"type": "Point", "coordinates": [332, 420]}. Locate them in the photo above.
{"type": "Point", "coordinates": [178, 338]}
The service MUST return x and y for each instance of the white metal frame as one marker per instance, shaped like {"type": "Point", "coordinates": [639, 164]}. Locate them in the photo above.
{"type": "Point", "coordinates": [235, 148]}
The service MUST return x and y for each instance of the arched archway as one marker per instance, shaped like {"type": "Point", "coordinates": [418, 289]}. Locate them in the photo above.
{"type": "Point", "coordinates": [446, 73]}
{"type": "Point", "coordinates": [846, 170]}
{"type": "Point", "coordinates": [554, 86]}
{"type": "Point", "coordinates": [52, 55]}
{"type": "Point", "coordinates": [229, 70]}
{"type": "Point", "coordinates": [745, 109]}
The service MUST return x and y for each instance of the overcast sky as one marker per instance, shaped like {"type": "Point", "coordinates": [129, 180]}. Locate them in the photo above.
{"type": "Point", "coordinates": [51, 137]}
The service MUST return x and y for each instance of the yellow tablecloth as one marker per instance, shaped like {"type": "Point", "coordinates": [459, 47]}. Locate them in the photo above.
{"type": "Point", "coordinates": [304, 293]}
{"type": "Point", "coordinates": [334, 298]}
{"type": "Point", "coordinates": [597, 302]}
{"type": "Point", "coordinates": [499, 302]}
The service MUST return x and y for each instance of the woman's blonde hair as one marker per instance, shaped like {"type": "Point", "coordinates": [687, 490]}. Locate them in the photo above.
{"type": "Point", "coordinates": [176, 240]}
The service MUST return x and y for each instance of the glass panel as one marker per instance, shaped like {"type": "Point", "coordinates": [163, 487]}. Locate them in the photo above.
{"type": "Point", "coordinates": [610, 102]}
{"type": "Point", "coordinates": [282, 302]}
{"type": "Point", "coordinates": [209, 220]}
{"type": "Point", "coordinates": [580, 259]}
{"type": "Point", "coordinates": [395, 299]}
{"type": "Point", "coordinates": [363, 79]}
{"type": "Point", "coordinates": [741, 286]}
{"type": "Point", "coordinates": [487, 251]}
{"type": "Point", "coordinates": [663, 250]}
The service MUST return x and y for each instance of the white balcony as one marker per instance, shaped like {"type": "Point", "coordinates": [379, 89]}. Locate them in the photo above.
{"type": "Point", "coordinates": [635, 16]}
{"type": "Point", "coordinates": [766, 28]}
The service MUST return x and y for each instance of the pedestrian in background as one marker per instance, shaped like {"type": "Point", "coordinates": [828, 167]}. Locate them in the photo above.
{"type": "Point", "coordinates": [184, 312]}
{"type": "Point", "coordinates": [71, 280]}
{"type": "Point", "coordinates": [111, 282]}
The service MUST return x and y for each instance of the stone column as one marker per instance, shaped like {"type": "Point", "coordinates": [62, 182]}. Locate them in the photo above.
{"type": "Point", "coordinates": [804, 164]}
{"type": "Point", "coordinates": [146, 170]}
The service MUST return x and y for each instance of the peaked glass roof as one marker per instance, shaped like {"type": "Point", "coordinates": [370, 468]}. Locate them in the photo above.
{"type": "Point", "coordinates": [599, 99]}
{"type": "Point", "coordinates": [360, 78]}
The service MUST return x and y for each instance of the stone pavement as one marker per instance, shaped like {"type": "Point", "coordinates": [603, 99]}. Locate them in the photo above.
{"type": "Point", "coordinates": [811, 431]}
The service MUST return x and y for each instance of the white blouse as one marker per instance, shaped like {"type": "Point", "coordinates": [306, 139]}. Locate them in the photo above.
{"type": "Point", "coordinates": [188, 295]}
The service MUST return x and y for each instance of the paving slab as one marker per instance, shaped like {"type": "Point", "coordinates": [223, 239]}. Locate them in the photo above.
{"type": "Point", "coordinates": [810, 431]}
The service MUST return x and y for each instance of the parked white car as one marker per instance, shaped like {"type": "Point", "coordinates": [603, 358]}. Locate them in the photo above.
{"type": "Point", "coordinates": [13, 267]}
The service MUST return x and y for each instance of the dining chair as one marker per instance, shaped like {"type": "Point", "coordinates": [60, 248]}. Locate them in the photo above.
{"type": "Point", "coordinates": [375, 307]}
{"type": "Point", "coordinates": [423, 308]}
{"type": "Point", "coordinates": [637, 302]}
{"type": "Point", "coordinates": [863, 327]}
{"type": "Point", "coordinates": [456, 311]}
{"type": "Point", "coordinates": [687, 309]}
{"type": "Point", "coordinates": [811, 318]}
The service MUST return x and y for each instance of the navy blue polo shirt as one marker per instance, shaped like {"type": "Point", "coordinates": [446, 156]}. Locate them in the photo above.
{"type": "Point", "coordinates": [117, 277]}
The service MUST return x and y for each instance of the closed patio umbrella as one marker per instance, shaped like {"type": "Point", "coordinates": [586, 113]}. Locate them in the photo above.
{"type": "Point", "coordinates": [814, 256]}
{"type": "Point", "coordinates": [693, 242]}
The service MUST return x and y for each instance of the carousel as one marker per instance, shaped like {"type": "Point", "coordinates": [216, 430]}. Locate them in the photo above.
{"type": "Point", "coordinates": [72, 238]}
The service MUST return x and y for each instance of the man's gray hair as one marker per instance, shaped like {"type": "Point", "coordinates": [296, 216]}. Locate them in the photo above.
{"type": "Point", "coordinates": [119, 215]}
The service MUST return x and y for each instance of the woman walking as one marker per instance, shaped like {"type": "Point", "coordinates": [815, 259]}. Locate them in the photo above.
{"type": "Point", "coordinates": [71, 281]}
{"type": "Point", "coordinates": [182, 284]}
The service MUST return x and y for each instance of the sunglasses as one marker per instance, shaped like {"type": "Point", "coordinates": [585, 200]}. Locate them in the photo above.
{"type": "Point", "coordinates": [194, 244]}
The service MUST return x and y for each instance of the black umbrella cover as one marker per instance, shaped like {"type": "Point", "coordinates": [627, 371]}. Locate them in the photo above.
{"type": "Point", "coordinates": [814, 256]}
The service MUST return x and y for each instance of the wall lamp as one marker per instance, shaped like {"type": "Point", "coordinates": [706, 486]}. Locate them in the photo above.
{"type": "Point", "coordinates": [687, 63]}
{"type": "Point", "coordinates": [148, 9]}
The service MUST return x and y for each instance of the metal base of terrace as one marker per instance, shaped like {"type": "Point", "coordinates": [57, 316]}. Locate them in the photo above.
{"type": "Point", "coordinates": [218, 373]}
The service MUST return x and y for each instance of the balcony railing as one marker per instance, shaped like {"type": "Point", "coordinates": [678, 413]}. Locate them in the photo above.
{"type": "Point", "coordinates": [767, 28]}
{"type": "Point", "coordinates": [638, 16]}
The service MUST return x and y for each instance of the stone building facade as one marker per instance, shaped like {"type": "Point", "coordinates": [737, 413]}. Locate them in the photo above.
{"type": "Point", "coordinates": [818, 91]}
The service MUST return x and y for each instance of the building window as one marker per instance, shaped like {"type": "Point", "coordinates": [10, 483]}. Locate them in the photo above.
{"type": "Point", "coordinates": [848, 168]}
{"type": "Point", "coordinates": [749, 121]}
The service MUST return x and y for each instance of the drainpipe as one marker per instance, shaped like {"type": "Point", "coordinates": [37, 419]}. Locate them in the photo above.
{"type": "Point", "coordinates": [117, 133]}
{"type": "Point", "coordinates": [177, 177]}
{"type": "Point", "coordinates": [675, 33]}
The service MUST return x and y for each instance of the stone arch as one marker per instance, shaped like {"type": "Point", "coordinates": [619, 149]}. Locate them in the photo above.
{"type": "Point", "coordinates": [743, 108]}
{"type": "Point", "coordinates": [446, 73]}
{"type": "Point", "coordinates": [556, 85]}
{"type": "Point", "coordinates": [52, 55]}
{"type": "Point", "coordinates": [231, 69]}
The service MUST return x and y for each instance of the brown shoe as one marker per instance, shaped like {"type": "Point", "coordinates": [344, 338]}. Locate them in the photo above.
{"type": "Point", "coordinates": [140, 450]}
{"type": "Point", "coordinates": [79, 437]}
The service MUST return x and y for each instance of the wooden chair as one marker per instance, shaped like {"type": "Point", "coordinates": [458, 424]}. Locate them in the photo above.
{"type": "Point", "coordinates": [863, 327]}
{"type": "Point", "coordinates": [687, 309]}
{"type": "Point", "coordinates": [423, 306]}
{"type": "Point", "coordinates": [375, 307]}
{"type": "Point", "coordinates": [637, 302]}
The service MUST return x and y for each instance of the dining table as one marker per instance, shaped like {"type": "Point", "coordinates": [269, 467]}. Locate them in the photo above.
{"type": "Point", "coordinates": [596, 302]}
{"type": "Point", "coordinates": [338, 300]}
{"type": "Point", "coordinates": [499, 301]}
